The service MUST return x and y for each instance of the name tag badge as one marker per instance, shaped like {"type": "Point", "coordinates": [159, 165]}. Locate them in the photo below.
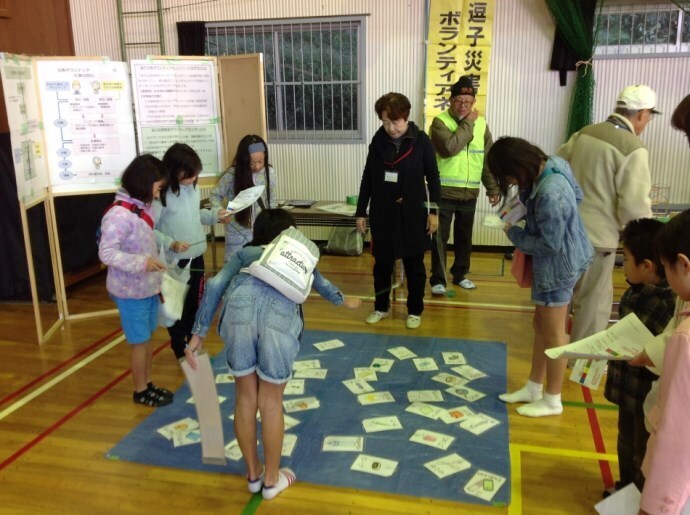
{"type": "Point", "coordinates": [391, 177]}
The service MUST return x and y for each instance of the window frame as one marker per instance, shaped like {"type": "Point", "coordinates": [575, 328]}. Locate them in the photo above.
{"type": "Point", "coordinates": [644, 50]}
{"type": "Point", "coordinates": [282, 134]}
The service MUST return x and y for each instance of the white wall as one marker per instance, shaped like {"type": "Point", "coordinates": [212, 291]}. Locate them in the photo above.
{"type": "Point", "coordinates": [524, 98]}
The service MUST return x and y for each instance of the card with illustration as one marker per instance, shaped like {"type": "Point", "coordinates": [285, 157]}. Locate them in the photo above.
{"type": "Point", "coordinates": [425, 396]}
{"type": "Point", "coordinates": [329, 344]}
{"type": "Point", "coordinates": [358, 386]}
{"type": "Point", "coordinates": [465, 393]}
{"type": "Point", "coordinates": [225, 378]}
{"type": "Point", "coordinates": [478, 424]}
{"type": "Point", "coordinates": [232, 451]}
{"type": "Point", "coordinates": [376, 424]}
{"type": "Point", "coordinates": [402, 353]}
{"type": "Point", "coordinates": [303, 404]}
{"type": "Point", "coordinates": [184, 425]}
{"type": "Point", "coordinates": [367, 399]}
{"type": "Point", "coordinates": [306, 363]}
{"type": "Point", "coordinates": [310, 373]}
{"type": "Point", "coordinates": [220, 400]}
{"type": "Point", "coordinates": [294, 387]}
{"type": "Point", "coordinates": [425, 410]}
{"type": "Point", "coordinates": [365, 374]}
{"type": "Point", "coordinates": [382, 365]}
{"type": "Point", "coordinates": [454, 358]}
{"type": "Point", "coordinates": [289, 442]}
{"type": "Point", "coordinates": [425, 364]}
{"type": "Point", "coordinates": [343, 444]}
{"type": "Point", "coordinates": [468, 372]}
{"type": "Point", "coordinates": [374, 465]}
{"type": "Point", "coordinates": [484, 485]}
{"type": "Point", "coordinates": [449, 379]}
{"type": "Point", "coordinates": [448, 465]}
{"type": "Point", "coordinates": [191, 437]}
{"type": "Point", "coordinates": [289, 422]}
{"type": "Point", "coordinates": [432, 439]}
{"type": "Point", "coordinates": [453, 415]}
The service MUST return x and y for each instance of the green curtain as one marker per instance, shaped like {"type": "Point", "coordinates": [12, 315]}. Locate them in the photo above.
{"type": "Point", "coordinates": [576, 20]}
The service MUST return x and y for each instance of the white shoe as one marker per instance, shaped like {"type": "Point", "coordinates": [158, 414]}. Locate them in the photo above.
{"type": "Point", "coordinates": [376, 316]}
{"type": "Point", "coordinates": [438, 289]}
{"type": "Point", "coordinates": [413, 321]}
{"type": "Point", "coordinates": [467, 284]}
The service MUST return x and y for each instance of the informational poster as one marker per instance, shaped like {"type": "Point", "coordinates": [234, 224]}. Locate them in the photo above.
{"type": "Point", "coordinates": [26, 134]}
{"type": "Point", "coordinates": [88, 122]}
{"type": "Point", "coordinates": [458, 43]}
{"type": "Point", "coordinates": [176, 100]}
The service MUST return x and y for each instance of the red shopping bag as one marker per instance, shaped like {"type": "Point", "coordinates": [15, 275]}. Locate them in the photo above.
{"type": "Point", "coordinates": [521, 268]}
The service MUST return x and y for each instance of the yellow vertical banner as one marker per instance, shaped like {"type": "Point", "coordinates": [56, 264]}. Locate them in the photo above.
{"type": "Point", "coordinates": [458, 43]}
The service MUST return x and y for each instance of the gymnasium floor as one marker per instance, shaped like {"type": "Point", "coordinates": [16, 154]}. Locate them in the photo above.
{"type": "Point", "coordinates": [64, 404]}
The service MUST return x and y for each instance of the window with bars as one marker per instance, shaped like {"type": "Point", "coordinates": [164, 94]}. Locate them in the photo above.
{"type": "Point", "coordinates": [642, 29]}
{"type": "Point", "coordinates": [312, 74]}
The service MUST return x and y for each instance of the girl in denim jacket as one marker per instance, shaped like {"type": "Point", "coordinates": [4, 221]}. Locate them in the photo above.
{"type": "Point", "coordinates": [555, 238]}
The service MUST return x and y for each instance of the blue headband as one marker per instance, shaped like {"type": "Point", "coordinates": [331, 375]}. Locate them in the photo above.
{"type": "Point", "coordinates": [257, 147]}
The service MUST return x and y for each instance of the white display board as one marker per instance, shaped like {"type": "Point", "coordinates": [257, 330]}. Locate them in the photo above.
{"type": "Point", "coordinates": [177, 100]}
{"type": "Point", "coordinates": [88, 122]}
{"type": "Point", "coordinates": [23, 115]}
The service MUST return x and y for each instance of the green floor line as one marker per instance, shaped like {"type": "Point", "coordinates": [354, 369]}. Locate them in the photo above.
{"type": "Point", "coordinates": [252, 505]}
{"type": "Point", "coordinates": [612, 407]}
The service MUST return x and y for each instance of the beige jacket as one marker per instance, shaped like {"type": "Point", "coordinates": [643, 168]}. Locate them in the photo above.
{"type": "Point", "coordinates": [612, 166]}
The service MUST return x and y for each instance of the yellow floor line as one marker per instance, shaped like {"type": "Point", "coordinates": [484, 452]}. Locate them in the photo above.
{"type": "Point", "coordinates": [566, 453]}
{"type": "Point", "coordinates": [25, 400]}
{"type": "Point", "coordinates": [515, 507]}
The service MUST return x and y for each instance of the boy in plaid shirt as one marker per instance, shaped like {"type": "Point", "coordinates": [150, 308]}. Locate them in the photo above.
{"type": "Point", "coordinates": [652, 300]}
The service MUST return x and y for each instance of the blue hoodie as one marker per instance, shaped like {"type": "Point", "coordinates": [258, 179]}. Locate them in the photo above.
{"type": "Point", "coordinates": [554, 234]}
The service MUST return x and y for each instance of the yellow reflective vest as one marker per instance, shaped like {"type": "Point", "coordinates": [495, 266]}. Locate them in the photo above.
{"type": "Point", "coordinates": [463, 170]}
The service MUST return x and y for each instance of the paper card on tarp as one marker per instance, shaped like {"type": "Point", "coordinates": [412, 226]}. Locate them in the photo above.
{"type": "Point", "coordinates": [203, 385]}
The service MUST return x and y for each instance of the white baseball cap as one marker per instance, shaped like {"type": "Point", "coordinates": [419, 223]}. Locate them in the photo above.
{"type": "Point", "coordinates": [637, 97]}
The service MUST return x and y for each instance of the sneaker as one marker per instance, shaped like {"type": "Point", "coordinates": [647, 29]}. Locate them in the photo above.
{"type": "Point", "coordinates": [438, 289]}
{"type": "Point", "coordinates": [376, 316]}
{"type": "Point", "coordinates": [413, 321]}
{"type": "Point", "coordinates": [466, 284]}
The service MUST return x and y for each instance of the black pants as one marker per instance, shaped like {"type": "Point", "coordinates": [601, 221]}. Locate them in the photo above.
{"type": "Point", "coordinates": [632, 445]}
{"type": "Point", "coordinates": [181, 331]}
{"type": "Point", "coordinates": [463, 210]}
{"type": "Point", "coordinates": [416, 277]}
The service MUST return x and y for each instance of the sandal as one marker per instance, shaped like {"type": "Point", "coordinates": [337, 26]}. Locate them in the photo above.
{"type": "Point", "coordinates": [160, 391]}
{"type": "Point", "coordinates": [150, 398]}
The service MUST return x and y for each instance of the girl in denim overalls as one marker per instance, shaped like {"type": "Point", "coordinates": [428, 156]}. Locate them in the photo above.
{"type": "Point", "coordinates": [261, 329]}
{"type": "Point", "coordinates": [555, 238]}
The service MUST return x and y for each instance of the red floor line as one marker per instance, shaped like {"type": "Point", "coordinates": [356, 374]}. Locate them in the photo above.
{"type": "Point", "coordinates": [30, 445]}
{"type": "Point", "coordinates": [52, 371]}
{"type": "Point", "coordinates": [604, 465]}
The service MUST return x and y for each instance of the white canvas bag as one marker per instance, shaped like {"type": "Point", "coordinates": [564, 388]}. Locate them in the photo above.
{"type": "Point", "coordinates": [288, 264]}
{"type": "Point", "coordinates": [173, 292]}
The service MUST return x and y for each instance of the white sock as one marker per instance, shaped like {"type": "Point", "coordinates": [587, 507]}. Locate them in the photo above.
{"type": "Point", "coordinates": [549, 405]}
{"type": "Point", "coordinates": [529, 393]}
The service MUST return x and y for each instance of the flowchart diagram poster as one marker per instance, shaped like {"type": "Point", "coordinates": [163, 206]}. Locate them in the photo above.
{"type": "Point", "coordinates": [176, 100]}
{"type": "Point", "coordinates": [87, 115]}
{"type": "Point", "coordinates": [23, 115]}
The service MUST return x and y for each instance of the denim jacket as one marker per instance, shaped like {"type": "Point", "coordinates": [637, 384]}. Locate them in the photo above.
{"type": "Point", "coordinates": [217, 287]}
{"type": "Point", "coordinates": [554, 234]}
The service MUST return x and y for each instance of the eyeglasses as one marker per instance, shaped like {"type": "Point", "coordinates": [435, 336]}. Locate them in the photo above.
{"type": "Point", "coordinates": [462, 103]}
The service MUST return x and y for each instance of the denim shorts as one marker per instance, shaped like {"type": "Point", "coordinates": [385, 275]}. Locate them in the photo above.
{"type": "Point", "coordinates": [139, 317]}
{"type": "Point", "coordinates": [261, 329]}
{"type": "Point", "coordinates": [553, 298]}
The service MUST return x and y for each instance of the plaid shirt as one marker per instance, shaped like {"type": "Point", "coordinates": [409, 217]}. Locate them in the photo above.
{"type": "Point", "coordinates": [654, 305]}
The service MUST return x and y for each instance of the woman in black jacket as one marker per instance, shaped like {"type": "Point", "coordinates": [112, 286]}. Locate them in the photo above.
{"type": "Point", "coordinates": [400, 166]}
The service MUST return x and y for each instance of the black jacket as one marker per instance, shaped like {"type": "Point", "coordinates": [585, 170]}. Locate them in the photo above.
{"type": "Point", "coordinates": [398, 210]}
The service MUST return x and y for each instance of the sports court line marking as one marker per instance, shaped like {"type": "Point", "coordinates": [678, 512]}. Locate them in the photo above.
{"type": "Point", "coordinates": [516, 451]}
{"type": "Point", "coordinates": [604, 466]}
{"type": "Point", "coordinates": [29, 445]}
{"type": "Point", "coordinates": [575, 404]}
{"type": "Point", "coordinates": [50, 372]}
{"type": "Point", "coordinates": [25, 400]}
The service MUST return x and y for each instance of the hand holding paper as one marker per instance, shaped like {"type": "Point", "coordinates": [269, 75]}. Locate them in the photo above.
{"type": "Point", "coordinates": [244, 199]}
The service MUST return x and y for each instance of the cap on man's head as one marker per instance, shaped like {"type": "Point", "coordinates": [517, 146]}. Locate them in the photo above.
{"type": "Point", "coordinates": [637, 97]}
{"type": "Point", "coordinates": [464, 86]}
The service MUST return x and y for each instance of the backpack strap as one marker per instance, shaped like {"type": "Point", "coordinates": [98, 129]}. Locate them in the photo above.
{"type": "Point", "coordinates": [134, 209]}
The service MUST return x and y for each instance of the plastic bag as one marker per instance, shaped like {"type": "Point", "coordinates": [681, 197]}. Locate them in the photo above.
{"type": "Point", "coordinates": [345, 241]}
{"type": "Point", "coordinates": [173, 292]}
